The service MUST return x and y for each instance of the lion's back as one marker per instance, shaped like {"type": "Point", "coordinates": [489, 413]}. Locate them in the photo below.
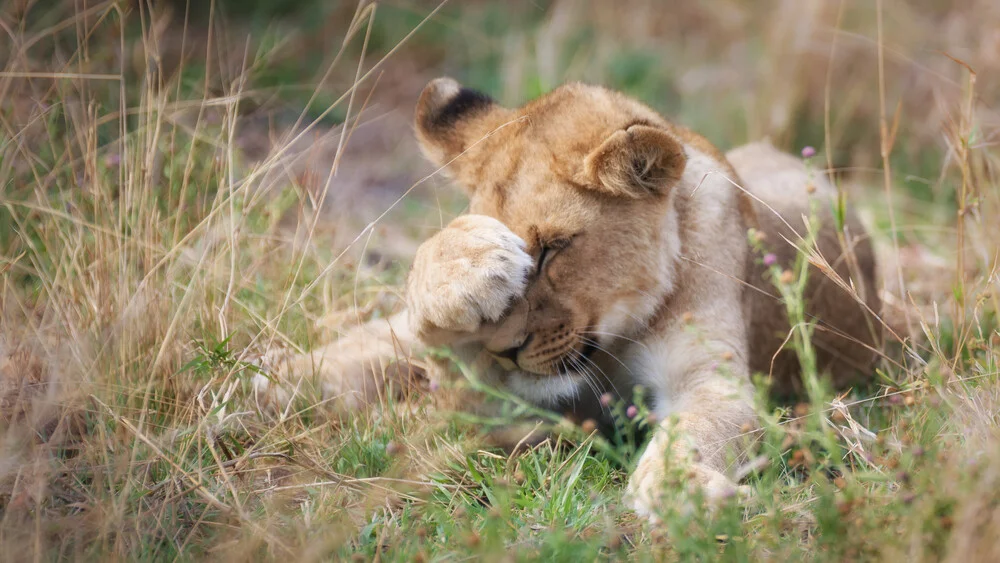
{"type": "Point", "coordinates": [784, 190]}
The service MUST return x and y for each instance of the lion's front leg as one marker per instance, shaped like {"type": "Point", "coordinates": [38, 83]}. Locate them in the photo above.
{"type": "Point", "coordinates": [703, 398]}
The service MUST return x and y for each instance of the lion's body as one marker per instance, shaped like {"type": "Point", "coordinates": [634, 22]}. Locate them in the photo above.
{"type": "Point", "coordinates": [780, 183]}
{"type": "Point", "coordinates": [606, 247]}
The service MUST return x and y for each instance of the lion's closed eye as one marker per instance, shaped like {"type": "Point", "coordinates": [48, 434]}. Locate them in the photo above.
{"type": "Point", "coordinates": [550, 249]}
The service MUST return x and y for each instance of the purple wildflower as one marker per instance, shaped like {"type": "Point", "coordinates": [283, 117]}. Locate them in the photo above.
{"type": "Point", "coordinates": [808, 152]}
{"type": "Point", "coordinates": [631, 411]}
{"type": "Point", "coordinates": [770, 259]}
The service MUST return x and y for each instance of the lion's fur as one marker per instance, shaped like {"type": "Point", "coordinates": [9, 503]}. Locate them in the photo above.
{"type": "Point", "coordinates": [647, 276]}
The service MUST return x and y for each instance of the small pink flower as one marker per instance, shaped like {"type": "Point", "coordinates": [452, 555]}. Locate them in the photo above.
{"type": "Point", "coordinates": [770, 259]}
{"type": "Point", "coordinates": [434, 386]}
{"type": "Point", "coordinates": [606, 400]}
{"type": "Point", "coordinates": [808, 152]}
{"type": "Point", "coordinates": [631, 411]}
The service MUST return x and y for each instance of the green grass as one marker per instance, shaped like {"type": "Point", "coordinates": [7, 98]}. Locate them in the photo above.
{"type": "Point", "coordinates": [144, 263]}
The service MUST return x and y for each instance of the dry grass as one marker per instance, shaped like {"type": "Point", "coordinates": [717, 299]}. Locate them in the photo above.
{"type": "Point", "coordinates": [157, 230]}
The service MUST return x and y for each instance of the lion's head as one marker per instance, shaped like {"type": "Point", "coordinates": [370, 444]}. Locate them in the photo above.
{"type": "Point", "coordinates": [585, 176]}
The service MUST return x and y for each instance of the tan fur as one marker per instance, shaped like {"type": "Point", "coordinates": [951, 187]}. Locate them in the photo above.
{"type": "Point", "coordinates": [606, 247]}
{"type": "Point", "coordinates": [776, 180]}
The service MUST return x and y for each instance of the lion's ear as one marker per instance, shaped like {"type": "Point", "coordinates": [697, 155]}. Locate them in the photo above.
{"type": "Point", "coordinates": [634, 162]}
{"type": "Point", "coordinates": [450, 118]}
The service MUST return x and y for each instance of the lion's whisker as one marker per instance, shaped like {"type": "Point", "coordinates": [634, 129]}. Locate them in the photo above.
{"type": "Point", "coordinates": [588, 377]}
{"type": "Point", "coordinates": [613, 335]}
{"type": "Point", "coordinates": [576, 368]}
{"type": "Point", "coordinates": [598, 346]}
{"type": "Point", "coordinates": [591, 377]}
{"type": "Point", "coordinates": [563, 376]}
{"type": "Point", "coordinates": [603, 373]}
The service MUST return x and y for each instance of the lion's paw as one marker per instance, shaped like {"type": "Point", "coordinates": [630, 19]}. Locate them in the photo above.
{"type": "Point", "coordinates": [650, 486]}
{"type": "Point", "coordinates": [468, 274]}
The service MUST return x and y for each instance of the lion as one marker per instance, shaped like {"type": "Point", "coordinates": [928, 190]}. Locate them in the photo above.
{"type": "Point", "coordinates": [606, 247]}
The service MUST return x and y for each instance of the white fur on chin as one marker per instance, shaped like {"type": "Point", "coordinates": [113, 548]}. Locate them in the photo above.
{"type": "Point", "coordinates": [543, 390]}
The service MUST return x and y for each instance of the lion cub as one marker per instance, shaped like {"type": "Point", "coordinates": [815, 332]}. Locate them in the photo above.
{"type": "Point", "coordinates": [606, 247]}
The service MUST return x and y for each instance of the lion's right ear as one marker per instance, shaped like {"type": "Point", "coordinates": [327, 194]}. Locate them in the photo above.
{"type": "Point", "coordinates": [451, 118]}
{"type": "Point", "coordinates": [634, 162]}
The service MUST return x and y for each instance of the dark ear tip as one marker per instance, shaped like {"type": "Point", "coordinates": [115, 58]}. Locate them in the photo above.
{"type": "Point", "coordinates": [444, 101]}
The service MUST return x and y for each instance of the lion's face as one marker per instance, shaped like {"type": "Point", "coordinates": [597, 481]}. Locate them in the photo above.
{"type": "Point", "coordinates": [585, 177]}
